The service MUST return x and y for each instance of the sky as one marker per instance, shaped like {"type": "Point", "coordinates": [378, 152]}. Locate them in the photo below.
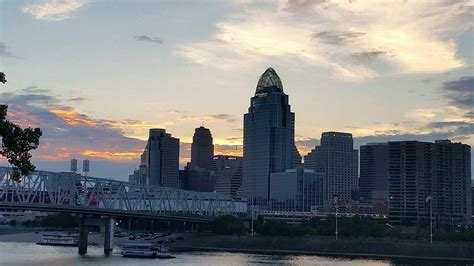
{"type": "Point", "coordinates": [96, 75]}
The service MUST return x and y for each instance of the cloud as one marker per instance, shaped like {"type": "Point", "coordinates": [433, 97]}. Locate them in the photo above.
{"type": "Point", "coordinates": [68, 133]}
{"type": "Point", "coordinates": [337, 37]}
{"type": "Point", "coordinates": [411, 37]}
{"type": "Point", "coordinates": [460, 93]}
{"type": "Point", "coordinates": [203, 118]}
{"type": "Point", "coordinates": [148, 39]}
{"type": "Point", "coordinates": [305, 144]}
{"type": "Point", "coordinates": [366, 56]}
{"type": "Point", "coordinates": [77, 99]}
{"type": "Point", "coordinates": [54, 10]}
{"type": "Point", "coordinates": [302, 5]}
{"type": "Point", "coordinates": [4, 51]}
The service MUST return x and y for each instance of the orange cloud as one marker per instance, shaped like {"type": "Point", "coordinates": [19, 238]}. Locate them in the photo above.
{"type": "Point", "coordinates": [233, 150]}
{"type": "Point", "coordinates": [304, 149]}
{"type": "Point", "coordinates": [71, 117]}
{"type": "Point", "coordinates": [113, 155]}
{"type": "Point", "coordinates": [23, 119]}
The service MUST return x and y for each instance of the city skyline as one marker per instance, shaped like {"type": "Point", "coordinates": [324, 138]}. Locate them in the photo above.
{"type": "Point", "coordinates": [377, 87]}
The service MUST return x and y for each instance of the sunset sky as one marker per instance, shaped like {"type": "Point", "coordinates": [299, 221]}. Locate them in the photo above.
{"type": "Point", "coordinates": [96, 75]}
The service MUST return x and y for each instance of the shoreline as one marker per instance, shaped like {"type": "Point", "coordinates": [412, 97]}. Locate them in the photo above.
{"type": "Point", "coordinates": [315, 253]}
{"type": "Point", "coordinates": [344, 248]}
{"type": "Point", "coordinates": [329, 248]}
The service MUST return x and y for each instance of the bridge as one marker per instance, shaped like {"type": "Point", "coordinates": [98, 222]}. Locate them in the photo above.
{"type": "Point", "coordinates": [53, 192]}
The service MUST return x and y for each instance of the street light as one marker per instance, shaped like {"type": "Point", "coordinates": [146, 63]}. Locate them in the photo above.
{"type": "Point", "coordinates": [337, 209]}
{"type": "Point", "coordinates": [430, 199]}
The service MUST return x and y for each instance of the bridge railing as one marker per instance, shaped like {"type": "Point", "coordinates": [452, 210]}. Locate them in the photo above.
{"type": "Point", "coordinates": [47, 188]}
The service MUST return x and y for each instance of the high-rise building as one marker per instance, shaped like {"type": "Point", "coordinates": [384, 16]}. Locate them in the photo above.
{"type": "Point", "coordinates": [297, 190]}
{"type": "Point", "coordinates": [161, 159]}
{"type": "Point", "coordinates": [338, 159]}
{"type": "Point", "coordinates": [227, 172]}
{"type": "Point", "coordinates": [199, 180]}
{"type": "Point", "coordinates": [202, 149]}
{"type": "Point", "coordinates": [310, 159]}
{"type": "Point", "coordinates": [373, 180]}
{"type": "Point", "coordinates": [269, 130]}
{"type": "Point", "coordinates": [424, 177]}
{"type": "Point", "coordinates": [452, 185]}
{"type": "Point", "coordinates": [472, 200]}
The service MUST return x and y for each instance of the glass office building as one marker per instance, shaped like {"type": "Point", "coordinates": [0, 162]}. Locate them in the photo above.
{"type": "Point", "coordinates": [297, 190]}
{"type": "Point", "coordinates": [269, 147]}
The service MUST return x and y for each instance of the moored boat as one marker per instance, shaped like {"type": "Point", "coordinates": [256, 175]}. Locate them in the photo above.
{"type": "Point", "coordinates": [59, 240]}
{"type": "Point", "coordinates": [145, 250]}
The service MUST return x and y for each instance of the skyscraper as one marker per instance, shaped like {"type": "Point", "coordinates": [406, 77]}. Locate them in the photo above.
{"type": "Point", "coordinates": [337, 158]}
{"type": "Point", "coordinates": [439, 171]}
{"type": "Point", "coordinates": [452, 191]}
{"type": "Point", "coordinates": [373, 180]}
{"type": "Point", "coordinates": [310, 160]}
{"type": "Point", "coordinates": [227, 172]}
{"type": "Point", "coordinates": [202, 149]}
{"type": "Point", "coordinates": [269, 130]}
{"type": "Point", "coordinates": [161, 159]}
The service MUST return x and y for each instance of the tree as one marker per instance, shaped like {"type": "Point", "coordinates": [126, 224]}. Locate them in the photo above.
{"type": "Point", "coordinates": [17, 142]}
{"type": "Point", "coordinates": [227, 225]}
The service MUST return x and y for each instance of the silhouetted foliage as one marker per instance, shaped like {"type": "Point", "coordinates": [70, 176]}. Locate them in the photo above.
{"type": "Point", "coordinates": [227, 225]}
{"type": "Point", "coordinates": [348, 227]}
{"type": "Point", "coordinates": [17, 142]}
{"type": "Point", "coordinates": [12, 223]}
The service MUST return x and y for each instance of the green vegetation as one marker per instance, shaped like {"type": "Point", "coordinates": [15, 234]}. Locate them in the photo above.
{"type": "Point", "coordinates": [347, 227]}
{"type": "Point", "coordinates": [357, 227]}
{"type": "Point", "coordinates": [228, 225]}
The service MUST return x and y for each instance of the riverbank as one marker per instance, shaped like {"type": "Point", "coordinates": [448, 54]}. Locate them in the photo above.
{"type": "Point", "coordinates": [325, 247]}
{"type": "Point", "coordinates": [380, 249]}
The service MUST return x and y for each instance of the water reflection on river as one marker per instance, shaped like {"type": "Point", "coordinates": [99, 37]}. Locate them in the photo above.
{"type": "Point", "coordinates": [31, 254]}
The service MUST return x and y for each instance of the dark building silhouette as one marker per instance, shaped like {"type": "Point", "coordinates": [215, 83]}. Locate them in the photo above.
{"type": "Point", "coordinates": [227, 172]}
{"type": "Point", "coordinates": [198, 171]}
{"type": "Point", "coordinates": [310, 159]}
{"type": "Point", "coordinates": [159, 161]}
{"type": "Point", "coordinates": [337, 158]}
{"type": "Point", "coordinates": [298, 159]}
{"type": "Point", "coordinates": [199, 180]}
{"type": "Point", "coordinates": [373, 180]}
{"type": "Point", "coordinates": [269, 146]}
{"type": "Point", "coordinates": [452, 185]}
{"type": "Point", "coordinates": [472, 199]}
{"type": "Point", "coordinates": [202, 149]}
{"type": "Point", "coordinates": [419, 170]}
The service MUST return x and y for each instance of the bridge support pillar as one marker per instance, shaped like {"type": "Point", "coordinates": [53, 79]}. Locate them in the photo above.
{"type": "Point", "coordinates": [83, 235]}
{"type": "Point", "coordinates": [108, 235]}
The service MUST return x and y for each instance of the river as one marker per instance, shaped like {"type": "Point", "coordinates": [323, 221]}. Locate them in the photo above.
{"type": "Point", "coordinates": [19, 254]}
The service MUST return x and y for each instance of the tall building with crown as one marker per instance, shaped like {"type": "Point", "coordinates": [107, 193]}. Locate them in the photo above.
{"type": "Point", "coordinates": [269, 134]}
{"type": "Point", "coordinates": [202, 149]}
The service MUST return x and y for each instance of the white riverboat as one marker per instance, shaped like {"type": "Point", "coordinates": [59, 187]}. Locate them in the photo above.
{"type": "Point", "coordinates": [145, 250]}
{"type": "Point", "coordinates": [59, 240]}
